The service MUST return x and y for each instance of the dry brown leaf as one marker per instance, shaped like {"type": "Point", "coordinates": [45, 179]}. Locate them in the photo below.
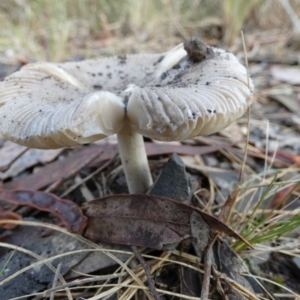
{"type": "Point", "coordinates": [9, 158]}
{"type": "Point", "coordinates": [142, 220]}
{"type": "Point", "coordinates": [54, 171]}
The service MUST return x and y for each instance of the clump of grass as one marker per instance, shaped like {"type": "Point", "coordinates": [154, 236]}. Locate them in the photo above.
{"type": "Point", "coordinates": [265, 223]}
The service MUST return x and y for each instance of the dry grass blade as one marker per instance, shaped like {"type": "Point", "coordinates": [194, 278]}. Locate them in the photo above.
{"type": "Point", "coordinates": [94, 246]}
{"type": "Point", "coordinates": [234, 195]}
{"type": "Point", "coordinates": [276, 284]}
{"type": "Point", "coordinates": [57, 273]}
{"type": "Point", "coordinates": [84, 280]}
{"type": "Point", "coordinates": [135, 276]}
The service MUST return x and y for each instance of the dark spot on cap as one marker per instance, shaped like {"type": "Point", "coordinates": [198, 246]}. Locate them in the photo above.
{"type": "Point", "coordinates": [97, 86]}
{"type": "Point", "coordinates": [177, 66]}
{"type": "Point", "coordinates": [207, 83]}
{"type": "Point", "coordinates": [163, 75]}
{"type": "Point", "coordinates": [122, 59]}
{"type": "Point", "coordinates": [209, 110]}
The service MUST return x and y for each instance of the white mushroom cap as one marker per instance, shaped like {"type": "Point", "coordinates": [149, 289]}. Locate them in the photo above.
{"type": "Point", "coordinates": [191, 99]}
{"type": "Point", "coordinates": [169, 96]}
{"type": "Point", "coordinates": [48, 105]}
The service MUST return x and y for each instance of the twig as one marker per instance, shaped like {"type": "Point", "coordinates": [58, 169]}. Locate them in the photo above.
{"type": "Point", "coordinates": [146, 267]}
{"type": "Point", "coordinates": [208, 258]}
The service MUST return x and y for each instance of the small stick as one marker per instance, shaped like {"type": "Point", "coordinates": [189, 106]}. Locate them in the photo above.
{"type": "Point", "coordinates": [208, 258]}
{"type": "Point", "coordinates": [146, 267]}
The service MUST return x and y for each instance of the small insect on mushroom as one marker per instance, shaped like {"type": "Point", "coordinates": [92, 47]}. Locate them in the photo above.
{"type": "Point", "coordinates": [169, 96]}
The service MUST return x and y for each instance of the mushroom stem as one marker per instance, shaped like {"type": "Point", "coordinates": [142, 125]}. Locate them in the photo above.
{"type": "Point", "coordinates": [134, 160]}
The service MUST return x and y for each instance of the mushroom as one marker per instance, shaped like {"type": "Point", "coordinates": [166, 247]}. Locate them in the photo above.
{"type": "Point", "coordinates": [189, 91]}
